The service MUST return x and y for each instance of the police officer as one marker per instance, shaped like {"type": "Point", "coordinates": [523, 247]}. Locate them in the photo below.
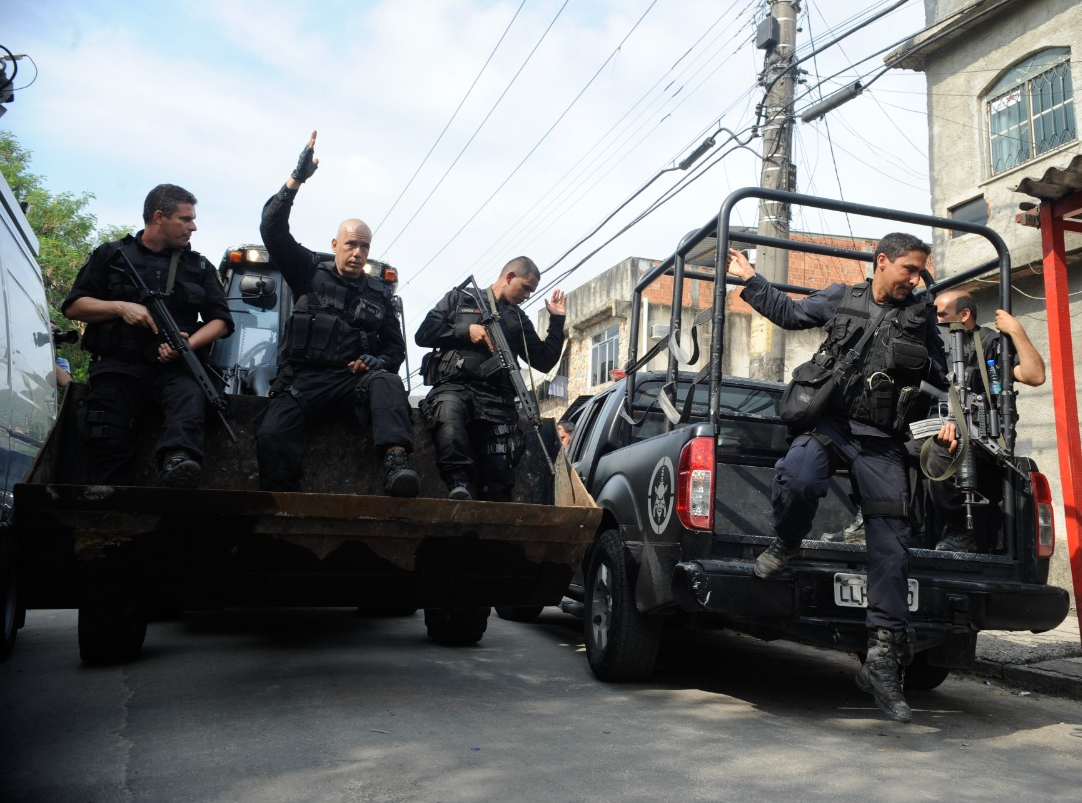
{"type": "Point", "coordinates": [864, 430]}
{"type": "Point", "coordinates": [471, 405]}
{"type": "Point", "coordinates": [1028, 368]}
{"type": "Point", "coordinates": [342, 347]}
{"type": "Point", "coordinates": [129, 365]}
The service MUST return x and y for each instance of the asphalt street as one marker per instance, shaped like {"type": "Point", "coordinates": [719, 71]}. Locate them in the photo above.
{"type": "Point", "coordinates": [326, 705]}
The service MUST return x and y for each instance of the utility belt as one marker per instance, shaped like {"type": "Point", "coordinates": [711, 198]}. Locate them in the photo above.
{"type": "Point", "coordinates": [460, 366]}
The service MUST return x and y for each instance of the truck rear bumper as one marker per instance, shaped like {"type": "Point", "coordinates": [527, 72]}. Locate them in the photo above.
{"type": "Point", "coordinates": [730, 589]}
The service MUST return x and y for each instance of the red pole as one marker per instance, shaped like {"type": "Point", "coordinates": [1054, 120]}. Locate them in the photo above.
{"type": "Point", "coordinates": [1063, 389]}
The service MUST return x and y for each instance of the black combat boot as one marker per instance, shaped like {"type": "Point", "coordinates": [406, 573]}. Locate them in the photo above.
{"type": "Point", "coordinates": [775, 558]}
{"type": "Point", "coordinates": [180, 469]}
{"type": "Point", "coordinates": [400, 479]}
{"type": "Point", "coordinates": [881, 675]}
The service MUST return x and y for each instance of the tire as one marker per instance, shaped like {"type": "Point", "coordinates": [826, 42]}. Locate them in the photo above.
{"type": "Point", "coordinates": [111, 633]}
{"type": "Point", "coordinates": [621, 643]}
{"type": "Point", "coordinates": [456, 627]}
{"type": "Point", "coordinates": [922, 676]}
{"type": "Point", "coordinates": [519, 614]}
{"type": "Point", "coordinates": [9, 597]}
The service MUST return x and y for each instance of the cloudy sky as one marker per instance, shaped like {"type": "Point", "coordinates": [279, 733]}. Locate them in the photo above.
{"type": "Point", "coordinates": [464, 132]}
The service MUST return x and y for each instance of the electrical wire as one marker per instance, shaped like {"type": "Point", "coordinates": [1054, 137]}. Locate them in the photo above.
{"type": "Point", "coordinates": [461, 103]}
{"type": "Point", "coordinates": [482, 124]}
{"type": "Point", "coordinates": [547, 211]}
{"type": "Point", "coordinates": [537, 144]}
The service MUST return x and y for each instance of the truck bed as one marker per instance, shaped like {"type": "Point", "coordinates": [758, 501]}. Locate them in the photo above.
{"type": "Point", "coordinates": [340, 542]}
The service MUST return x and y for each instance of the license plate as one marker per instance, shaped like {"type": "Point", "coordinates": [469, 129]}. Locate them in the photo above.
{"type": "Point", "coordinates": [851, 591]}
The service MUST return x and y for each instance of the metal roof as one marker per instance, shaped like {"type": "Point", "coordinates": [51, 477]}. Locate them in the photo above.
{"type": "Point", "coordinates": [1056, 183]}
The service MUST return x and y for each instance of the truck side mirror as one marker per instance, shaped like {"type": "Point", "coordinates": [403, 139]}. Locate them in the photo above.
{"type": "Point", "coordinates": [259, 291]}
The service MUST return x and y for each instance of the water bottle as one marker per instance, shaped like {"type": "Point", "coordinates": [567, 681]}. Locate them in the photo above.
{"type": "Point", "coordinates": [993, 378]}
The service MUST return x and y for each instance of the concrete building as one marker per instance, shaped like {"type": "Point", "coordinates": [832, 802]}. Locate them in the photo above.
{"type": "Point", "coordinates": [1002, 108]}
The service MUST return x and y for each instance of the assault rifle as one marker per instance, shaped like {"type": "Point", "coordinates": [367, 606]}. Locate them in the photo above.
{"type": "Point", "coordinates": [168, 331]}
{"type": "Point", "coordinates": [977, 419]}
{"type": "Point", "coordinates": [505, 359]}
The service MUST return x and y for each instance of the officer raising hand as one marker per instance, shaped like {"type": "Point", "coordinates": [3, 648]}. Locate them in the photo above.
{"type": "Point", "coordinates": [342, 346]}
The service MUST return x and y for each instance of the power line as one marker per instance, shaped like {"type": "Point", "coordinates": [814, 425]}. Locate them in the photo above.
{"type": "Point", "coordinates": [538, 143]}
{"type": "Point", "coordinates": [588, 179]}
{"type": "Point", "coordinates": [479, 127]}
{"type": "Point", "coordinates": [455, 114]}
{"type": "Point", "coordinates": [539, 215]}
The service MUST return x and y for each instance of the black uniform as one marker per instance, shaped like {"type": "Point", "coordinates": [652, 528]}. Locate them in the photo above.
{"type": "Point", "coordinates": [865, 430]}
{"type": "Point", "coordinates": [124, 370]}
{"type": "Point", "coordinates": [334, 321]}
{"type": "Point", "coordinates": [472, 402]}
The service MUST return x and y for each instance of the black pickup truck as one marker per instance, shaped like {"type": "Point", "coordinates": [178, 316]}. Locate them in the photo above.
{"type": "Point", "coordinates": [682, 464]}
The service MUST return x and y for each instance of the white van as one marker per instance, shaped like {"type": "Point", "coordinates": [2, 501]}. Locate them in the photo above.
{"type": "Point", "coordinates": [27, 386]}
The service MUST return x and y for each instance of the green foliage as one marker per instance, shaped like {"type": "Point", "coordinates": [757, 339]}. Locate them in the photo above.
{"type": "Point", "coordinates": [65, 232]}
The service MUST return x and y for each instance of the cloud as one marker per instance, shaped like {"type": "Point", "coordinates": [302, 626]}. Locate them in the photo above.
{"type": "Point", "coordinates": [220, 97]}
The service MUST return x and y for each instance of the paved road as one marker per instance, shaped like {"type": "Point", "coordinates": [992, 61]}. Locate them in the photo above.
{"type": "Point", "coordinates": [323, 705]}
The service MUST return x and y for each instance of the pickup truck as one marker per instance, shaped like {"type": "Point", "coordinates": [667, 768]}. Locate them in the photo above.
{"type": "Point", "coordinates": [681, 464]}
{"type": "Point", "coordinates": [119, 553]}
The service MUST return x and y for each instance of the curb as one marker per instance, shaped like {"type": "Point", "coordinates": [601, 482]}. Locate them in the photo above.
{"type": "Point", "coordinates": [1061, 677]}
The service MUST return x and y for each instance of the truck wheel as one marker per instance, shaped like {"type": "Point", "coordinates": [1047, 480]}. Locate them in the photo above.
{"type": "Point", "coordinates": [111, 633]}
{"type": "Point", "coordinates": [519, 614]}
{"type": "Point", "coordinates": [9, 597]}
{"type": "Point", "coordinates": [456, 627]}
{"type": "Point", "coordinates": [922, 676]}
{"type": "Point", "coordinates": [621, 643]}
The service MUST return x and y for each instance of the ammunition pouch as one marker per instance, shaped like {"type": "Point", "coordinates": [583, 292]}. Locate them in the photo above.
{"type": "Point", "coordinates": [458, 366]}
{"type": "Point", "coordinates": [114, 338]}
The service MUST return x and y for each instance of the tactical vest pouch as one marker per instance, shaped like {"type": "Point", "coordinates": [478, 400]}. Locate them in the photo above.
{"type": "Point", "coordinates": [910, 408]}
{"type": "Point", "coordinates": [460, 366]}
{"type": "Point", "coordinates": [189, 294]}
{"type": "Point", "coordinates": [879, 400]}
{"type": "Point", "coordinates": [368, 313]}
{"type": "Point", "coordinates": [905, 355]}
{"type": "Point", "coordinates": [429, 368]}
{"type": "Point", "coordinates": [808, 395]}
{"type": "Point", "coordinates": [114, 338]}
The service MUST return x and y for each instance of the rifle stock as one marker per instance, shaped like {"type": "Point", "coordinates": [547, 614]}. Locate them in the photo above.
{"type": "Point", "coordinates": [168, 331]}
{"type": "Point", "coordinates": [490, 319]}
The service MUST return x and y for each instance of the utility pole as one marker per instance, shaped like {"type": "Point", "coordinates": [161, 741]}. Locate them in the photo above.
{"type": "Point", "coordinates": [777, 36]}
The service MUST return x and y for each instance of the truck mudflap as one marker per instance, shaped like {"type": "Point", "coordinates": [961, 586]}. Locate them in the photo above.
{"type": "Point", "coordinates": [233, 545]}
{"type": "Point", "coordinates": [730, 589]}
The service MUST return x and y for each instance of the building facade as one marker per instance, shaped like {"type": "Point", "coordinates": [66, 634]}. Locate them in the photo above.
{"type": "Point", "coordinates": [1003, 108]}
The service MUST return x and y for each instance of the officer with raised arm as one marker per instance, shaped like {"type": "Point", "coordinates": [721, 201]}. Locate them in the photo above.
{"type": "Point", "coordinates": [470, 410]}
{"type": "Point", "coordinates": [342, 348]}
{"type": "Point", "coordinates": [863, 430]}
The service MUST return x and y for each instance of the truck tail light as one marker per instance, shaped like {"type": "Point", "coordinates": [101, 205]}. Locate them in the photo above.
{"type": "Point", "coordinates": [1046, 528]}
{"type": "Point", "coordinates": [695, 485]}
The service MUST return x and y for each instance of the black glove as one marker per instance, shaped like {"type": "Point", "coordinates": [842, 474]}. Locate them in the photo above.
{"type": "Point", "coordinates": [373, 363]}
{"type": "Point", "coordinates": [305, 166]}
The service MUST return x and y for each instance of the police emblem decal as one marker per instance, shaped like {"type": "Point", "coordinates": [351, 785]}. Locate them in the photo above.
{"type": "Point", "coordinates": [661, 495]}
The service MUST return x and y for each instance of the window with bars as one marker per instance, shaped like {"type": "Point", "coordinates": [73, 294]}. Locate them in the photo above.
{"type": "Point", "coordinates": [604, 353]}
{"type": "Point", "coordinates": [1031, 109]}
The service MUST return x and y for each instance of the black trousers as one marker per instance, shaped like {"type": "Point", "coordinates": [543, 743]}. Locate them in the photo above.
{"type": "Point", "coordinates": [116, 406]}
{"type": "Point", "coordinates": [471, 435]}
{"type": "Point", "coordinates": [877, 465]}
{"type": "Point", "coordinates": [378, 397]}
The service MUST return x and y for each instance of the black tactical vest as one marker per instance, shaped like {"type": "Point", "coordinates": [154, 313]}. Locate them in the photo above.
{"type": "Point", "coordinates": [336, 320]}
{"type": "Point", "coordinates": [137, 344]}
{"type": "Point", "coordinates": [894, 362]}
